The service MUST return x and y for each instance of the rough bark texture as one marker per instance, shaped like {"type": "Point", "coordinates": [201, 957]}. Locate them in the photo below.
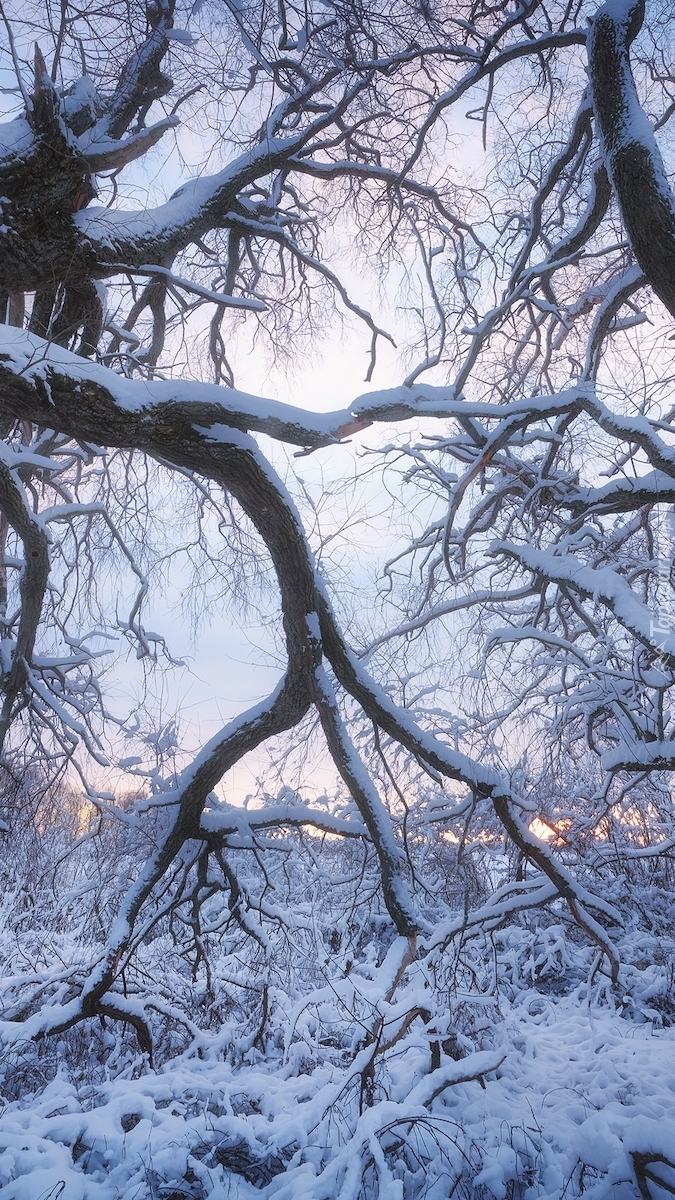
{"type": "Point", "coordinates": [632, 155]}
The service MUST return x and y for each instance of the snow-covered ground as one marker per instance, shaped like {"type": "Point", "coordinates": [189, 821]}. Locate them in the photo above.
{"type": "Point", "coordinates": [581, 1090]}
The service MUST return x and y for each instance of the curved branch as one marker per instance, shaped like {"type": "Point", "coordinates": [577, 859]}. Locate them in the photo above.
{"type": "Point", "coordinates": [581, 129]}
{"type": "Point", "coordinates": [283, 709]}
{"type": "Point", "coordinates": [375, 816]}
{"type": "Point", "coordinates": [108, 155]}
{"type": "Point", "coordinates": [619, 291]}
{"type": "Point", "coordinates": [548, 41]}
{"type": "Point", "coordinates": [179, 432]}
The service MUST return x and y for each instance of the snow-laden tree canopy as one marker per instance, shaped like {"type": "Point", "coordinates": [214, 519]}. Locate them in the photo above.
{"type": "Point", "coordinates": [501, 174]}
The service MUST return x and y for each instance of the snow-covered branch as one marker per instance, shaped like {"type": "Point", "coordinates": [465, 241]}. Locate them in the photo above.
{"type": "Point", "coordinates": [632, 156]}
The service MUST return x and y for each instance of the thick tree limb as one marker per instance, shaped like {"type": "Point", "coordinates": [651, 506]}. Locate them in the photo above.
{"type": "Point", "coordinates": [58, 373]}
{"type": "Point", "coordinates": [14, 507]}
{"type": "Point", "coordinates": [141, 80]}
{"type": "Point", "coordinates": [108, 155]}
{"type": "Point", "coordinates": [632, 156]}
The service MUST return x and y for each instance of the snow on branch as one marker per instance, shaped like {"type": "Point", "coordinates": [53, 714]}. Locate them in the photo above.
{"type": "Point", "coordinates": [189, 285]}
{"type": "Point", "coordinates": [226, 820]}
{"type": "Point", "coordinates": [602, 585]}
{"type": "Point", "coordinates": [51, 372]}
{"type": "Point", "coordinates": [631, 153]}
{"type": "Point", "coordinates": [109, 155]}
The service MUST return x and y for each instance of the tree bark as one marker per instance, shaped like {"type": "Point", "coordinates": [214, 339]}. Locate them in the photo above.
{"type": "Point", "coordinates": [632, 156]}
